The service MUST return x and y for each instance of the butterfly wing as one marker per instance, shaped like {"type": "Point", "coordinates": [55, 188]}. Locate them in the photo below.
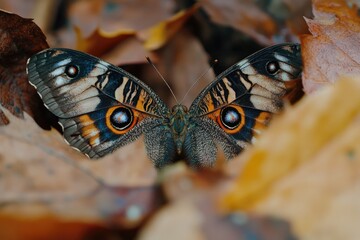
{"type": "Point", "coordinates": [240, 102]}
{"type": "Point", "coordinates": [100, 106]}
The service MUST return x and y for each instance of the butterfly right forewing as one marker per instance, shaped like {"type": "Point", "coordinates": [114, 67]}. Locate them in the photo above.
{"type": "Point", "coordinates": [241, 101]}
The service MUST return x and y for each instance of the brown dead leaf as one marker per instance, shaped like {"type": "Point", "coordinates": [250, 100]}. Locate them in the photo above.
{"type": "Point", "coordinates": [45, 177]}
{"type": "Point", "coordinates": [20, 39]}
{"type": "Point", "coordinates": [157, 35]}
{"type": "Point", "coordinates": [332, 49]}
{"type": "Point", "coordinates": [294, 17]}
{"type": "Point", "coordinates": [112, 16]}
{"type": "Point", "coordinates": [244, 16]}
{"type": "Point", "coordinates": [140, 42]}
{"type": "Point", "coordinates": [129, 51]}
{"type": "Point", "coordinates": [307, 171]}
{"type": "Point", "coordinates": [45, 162]}
{"type": "Point", "coordinates": [107, 211]}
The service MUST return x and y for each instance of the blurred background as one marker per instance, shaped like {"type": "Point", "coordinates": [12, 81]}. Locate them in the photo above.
{"type": "Point", "coordinates": [50, 191]}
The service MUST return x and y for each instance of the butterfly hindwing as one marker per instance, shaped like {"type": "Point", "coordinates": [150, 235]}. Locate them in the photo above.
{"type": "Point", "coordinates": [100, 106]}
{"type": "Point", "coordinates": [241, 101]}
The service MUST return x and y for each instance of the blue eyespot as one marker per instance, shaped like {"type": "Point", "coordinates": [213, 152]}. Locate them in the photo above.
{"type": "Point", "coordinates": [230, 117]}
{"type": "Point", "coordinates": [121, 118]}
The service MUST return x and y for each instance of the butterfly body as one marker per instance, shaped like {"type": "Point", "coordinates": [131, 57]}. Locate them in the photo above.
{"type": "Point", "coordinates": [179, 123]}
{"type": "Point", "coordinates": [102, 107]}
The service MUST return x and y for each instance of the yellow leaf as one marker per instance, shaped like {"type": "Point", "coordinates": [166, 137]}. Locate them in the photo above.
{"type": "Point", "coordinates": [294, 139]}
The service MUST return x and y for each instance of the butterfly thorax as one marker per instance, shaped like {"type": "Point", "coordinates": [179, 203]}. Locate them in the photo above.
{"type": "Point", "coordinates": [179, 122]}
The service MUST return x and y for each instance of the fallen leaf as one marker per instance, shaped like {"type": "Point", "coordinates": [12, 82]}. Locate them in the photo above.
{"type": "Point", "coordinates": [140, 42]}
{"type": "Point", "coordinates": [116, 212]}
{"type": "Point", "coordinates": [44, 162]}
{"type": "Point", "coordinates": [307, 171]}
{"type": "Point", "coordinates": [156, 36]}
{"type": "Point", "coordinates": [112, 16]}
{"type": "Point", "coordinates": [108, 40]}
{"type": "Point", "coordinates": [196, 218]}
{"type": "Point", "coordinates": [20, 39]}
{"type": "Point", "coordinates": [332, 49]}
{"type": "Point", "coordinates": [292, 23]}
{"type": "Point", "coordinates": [46, 179]}
{"type": "Point", "coordinates": [246, 17]}
{"type": "Point", "coordinates": [128, 52]}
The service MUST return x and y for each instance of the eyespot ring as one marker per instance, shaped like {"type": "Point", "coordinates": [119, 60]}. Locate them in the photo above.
{"type": "Point", "coordinates": [71, 71]}
{"type": "Point", "coordinates": [231, 118]}
{"type": "Point", "coordinates": [120, 119]}
{"type": "Point", "coordinates": [272, 67]}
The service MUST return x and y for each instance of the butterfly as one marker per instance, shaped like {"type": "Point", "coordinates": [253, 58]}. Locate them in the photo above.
{"type": "Point", "coordinates": [101, 107]}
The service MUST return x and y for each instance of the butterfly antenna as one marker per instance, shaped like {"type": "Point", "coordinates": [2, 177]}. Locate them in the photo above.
{"type": "Point", "coordinates": [197, 80]}
{"type": "Point", "coordinates": [152, 64]}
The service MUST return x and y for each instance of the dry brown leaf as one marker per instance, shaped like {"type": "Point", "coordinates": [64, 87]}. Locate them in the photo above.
{"type": "Point", "coordinates": [104, 211]}
{"type": "Point", "coordinates": [46, 179]}
{"type": "Point", "coordinates": [307, 171]}
{"type": "Point", "coordinates": [41, 154]}
{"type": "Point", "coordinates": [157, 35]}
{"type": "Point", "coordinates": [196, 218]}
{"type": "Point", "coordinates": [20, 38]}
{"type": "Point", "coordinates": [111, 16]}
{"type": "Point", "coordinates": [129, 51]}
{"type": "Point", "coordinates": [332, 49]}
{"type": "Point", "coordinates": [140, 42]}
{"type": "Point", "coordinates": [296, 10]}
{"type": "Point", "coordinates": [245, 16]}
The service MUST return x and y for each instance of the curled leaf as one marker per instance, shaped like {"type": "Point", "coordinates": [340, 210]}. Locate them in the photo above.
{"type": "Point", "coordinates": [20, 39]}
{"type": "Point", "coordinates": [156, 36]}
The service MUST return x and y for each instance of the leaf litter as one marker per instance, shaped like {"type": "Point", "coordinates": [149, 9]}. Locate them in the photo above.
{"type": "Point", "coordinates": [271, 190]}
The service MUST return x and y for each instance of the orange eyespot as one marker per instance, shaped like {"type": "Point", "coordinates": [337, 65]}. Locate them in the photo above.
{"type": "Point", "coordinates": [231, 118]}
{"type": "Point", "coordinates": [120, 119]}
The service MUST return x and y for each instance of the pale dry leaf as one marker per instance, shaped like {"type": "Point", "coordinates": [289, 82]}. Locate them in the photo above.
{"type": "Point", "coordinates": [186, 224]}
{"type": "Point", "coordinates": [244, 16]}
{"type": "Point", "coordinates": [110, 16]}
{"type": "Point", "coordinates": [43, 166]}
{"type": "Point", "coordinates": [269, 160]}
{"type": "Point", "coordinates": [43, 179]}
{"type": "Point", "coordinates": [321, 196]}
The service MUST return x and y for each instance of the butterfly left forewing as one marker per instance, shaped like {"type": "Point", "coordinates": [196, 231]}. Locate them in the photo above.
{"type": "Point", "coordinates": [241, 101]}
{"type": "Point", "coordinates": [100, 106]}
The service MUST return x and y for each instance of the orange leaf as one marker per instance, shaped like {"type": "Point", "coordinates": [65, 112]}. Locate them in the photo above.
{"type": "Point", "coordinates": [99, 42]}
{"type": "Point", "coordinates": [156, 36]}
